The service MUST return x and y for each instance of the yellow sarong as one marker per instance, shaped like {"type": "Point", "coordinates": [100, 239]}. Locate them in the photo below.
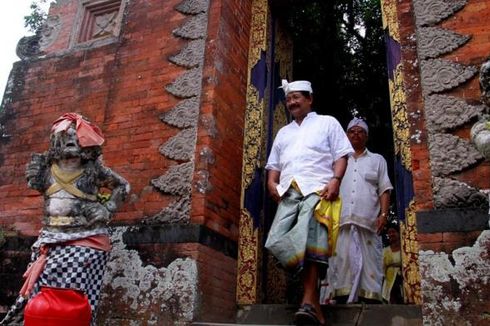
{"type": "Point", "coordinates": [328, 213]}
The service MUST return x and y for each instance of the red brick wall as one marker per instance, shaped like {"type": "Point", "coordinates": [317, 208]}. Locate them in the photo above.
{"type": "Point", "coordinates": [225, 76]}
{"type": "Point", "coordinates": [420, 154]}
{"type": "Point", "coordinates": [120, 87]}
{"type": "Point", "coordinates": [446, 241]}
{"type": "Point", "coordinates": [217, 286]}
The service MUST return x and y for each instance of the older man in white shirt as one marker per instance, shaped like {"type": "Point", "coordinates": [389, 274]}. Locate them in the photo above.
{"type": "Point", "coordinates": [306, 163]}
{"type": "Point", "coordinates": [356, 270]}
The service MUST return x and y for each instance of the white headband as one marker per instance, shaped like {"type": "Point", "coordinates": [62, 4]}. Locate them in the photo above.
{"type": "Point", "coordinates": [296, 86]}
{"type": "Point", "coordinates": [359, 123]}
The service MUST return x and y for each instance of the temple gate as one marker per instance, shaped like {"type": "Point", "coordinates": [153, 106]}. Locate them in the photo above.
{"type": "Point", "coordinates": [185, 93]}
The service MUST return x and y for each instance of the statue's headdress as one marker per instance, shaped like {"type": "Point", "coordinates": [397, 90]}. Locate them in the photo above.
{"type": "Point", "coordinates": [88, 134]}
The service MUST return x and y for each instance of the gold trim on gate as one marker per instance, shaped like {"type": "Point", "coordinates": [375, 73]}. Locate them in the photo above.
{"type": "Point", "coordinates": [401, 125]}
{"type": "Point", "coordinates": [390, 19]}
{"type": "Point", "coordinates": [401, 135]}
{"type": "Point", "coordinates": [249, 240]}
{"type": "Point", "coordinates": [247, 274]}
{"type": "Point", "coordinates": [410, 257]}
{"type": "Point", "coordinates": [252, 143]}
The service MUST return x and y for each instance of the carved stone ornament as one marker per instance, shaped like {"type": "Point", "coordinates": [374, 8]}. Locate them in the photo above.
{"type": "Point", "coordinates": [194, 28]}
{"type": "Point", "coordinates": [450, 193]}
{"type": "Point", "coordinates": [81, 196]}
{"type": "Point", "coordinates": [451, 154]}
{"type": "Point", "coordinates": [193, 7]}
{"type": "Point", "coordinates": [191, 55]}
{"type": "Point", "coordinates": [187, 85]}
{"type": "Point", "coordinates": [105, 25]}
{"type": "Point", "coordinates": [444, 112]}
{"type": "Point", "coordinates": [431, 12]}
{"type": "Point", "coordinates": [480, 132]}
{"type": "Point", "coordinates": [180, 147]}
{"type": "Point", "coordinates": [177, 180]}
{"type": "Point", "coordinates": [50, 31]}
{"type": "Point", "coordinates": [74, 153]}
{"type": "Point", "coordinates": [435, 41]}
{"type": "Point", "coordinates": [441, 75]}
{"type": "Point", "coordinates": [185, 114]}
{"type": "Point", "coordinates": [28, 47]}
{"type": "Point", "coordinates": [177, 212]}
{"type": "Point", "coordinates": [99, 19]}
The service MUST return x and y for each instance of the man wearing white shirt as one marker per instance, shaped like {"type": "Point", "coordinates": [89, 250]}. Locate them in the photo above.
{"type": "Point", "coordinates": [307, 162]}
{"type": "Point", "coordinates": [356, 269]}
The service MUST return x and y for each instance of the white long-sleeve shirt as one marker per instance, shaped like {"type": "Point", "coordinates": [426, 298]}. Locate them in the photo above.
{"type": "Point", "coordinates": [306, 153]}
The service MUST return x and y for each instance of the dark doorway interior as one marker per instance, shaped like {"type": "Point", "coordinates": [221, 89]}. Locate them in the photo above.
{"type": "Point", "coordinates": [339, 46]}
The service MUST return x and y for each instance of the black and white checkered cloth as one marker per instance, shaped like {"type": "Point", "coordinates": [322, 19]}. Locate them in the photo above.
{"type": "Point", "coordinates": [47, 237]}
{"type": "Point", "coordinates": [71, 267]}
{"type": "Point", "coordinates": [74, 267]}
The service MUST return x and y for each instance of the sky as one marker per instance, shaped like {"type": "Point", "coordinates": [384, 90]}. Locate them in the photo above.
{"type": "Point", "coordinates": [12, 29]}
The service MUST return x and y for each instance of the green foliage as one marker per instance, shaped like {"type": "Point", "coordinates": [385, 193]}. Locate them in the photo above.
{"type": "Point", "coordinates": [38, 16]}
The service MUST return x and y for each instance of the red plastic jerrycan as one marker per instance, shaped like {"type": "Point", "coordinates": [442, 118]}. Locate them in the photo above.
{"type": "Point", "coordinates": [58, 307]}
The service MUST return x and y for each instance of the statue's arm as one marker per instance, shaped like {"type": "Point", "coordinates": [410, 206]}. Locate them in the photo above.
{"type": "Point", "coordinates": [37, 172]}
{"type": "Point", "coordinates": [119, 186]}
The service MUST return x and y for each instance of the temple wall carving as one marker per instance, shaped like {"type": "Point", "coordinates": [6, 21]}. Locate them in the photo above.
{"type": "Point", "coordinates": [440, 76]}
{"type": "Point", "coordinates": [451, 46]}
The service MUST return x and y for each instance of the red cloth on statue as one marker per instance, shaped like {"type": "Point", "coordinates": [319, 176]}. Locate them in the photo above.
{"type": "Point", "coordinates": [58, 307]}
{"type": "Point", "coordinates": [87, 133]}
{"type": "Point", "coordinates": [32, 273]}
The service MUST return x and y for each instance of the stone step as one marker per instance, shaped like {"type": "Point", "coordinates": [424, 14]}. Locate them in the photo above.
{"type": "Point", "coordinates": [337, 315]}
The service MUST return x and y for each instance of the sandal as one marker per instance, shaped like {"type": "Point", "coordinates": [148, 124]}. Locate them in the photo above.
{"type": "Point", "coordinates": [306, 315]}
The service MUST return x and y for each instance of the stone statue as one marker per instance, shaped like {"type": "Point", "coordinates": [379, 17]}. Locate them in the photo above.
{"type": "Point", "coordinates": [72, 178]}
{"type": "Point", "coordinates": [485, 82]}
{"type": "Point", "coordinates": [480, 132]}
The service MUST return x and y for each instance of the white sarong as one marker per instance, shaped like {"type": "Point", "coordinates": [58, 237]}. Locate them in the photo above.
{"type": "Point", "coordinates": [356, 269]}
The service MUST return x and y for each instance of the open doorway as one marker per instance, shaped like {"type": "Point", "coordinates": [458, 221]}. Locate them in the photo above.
{"type": "Point", "coordinates": [339, 46]}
